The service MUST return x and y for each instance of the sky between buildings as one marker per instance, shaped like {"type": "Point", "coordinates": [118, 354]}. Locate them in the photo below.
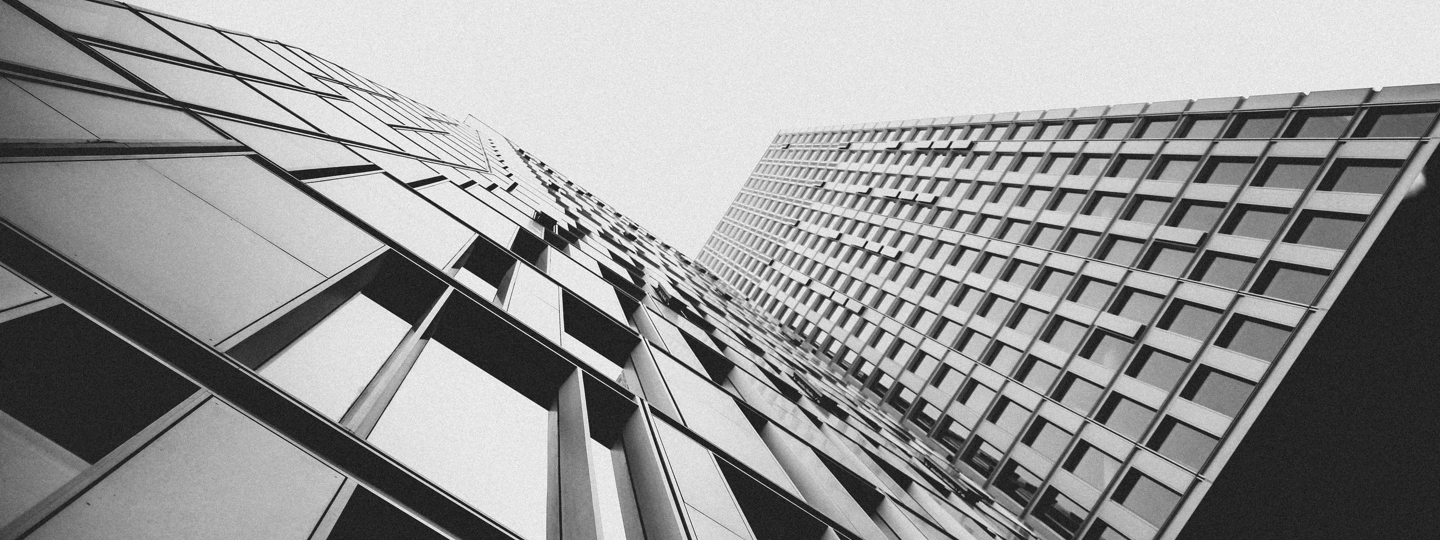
{"type": "Point", "coordinates": [663, 108]}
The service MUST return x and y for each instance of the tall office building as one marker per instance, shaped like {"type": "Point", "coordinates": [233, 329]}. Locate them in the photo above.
{"type": "Point", "coordinates": [1087, 309]}
{"type": "Point", "coordinates": [247, 293]}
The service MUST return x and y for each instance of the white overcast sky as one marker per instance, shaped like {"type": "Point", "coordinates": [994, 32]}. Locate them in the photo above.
{"type": "Point", "coordinates": [663, 108]}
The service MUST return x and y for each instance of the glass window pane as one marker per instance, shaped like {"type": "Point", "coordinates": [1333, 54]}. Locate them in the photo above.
{"type": "Point", "coordinates": [28, 118]}
{"type": "Point", "coordinates": [219, 275]}
{"type": "Point", "coordinates": [1137, 305]}
{"type": "Point", "coordinates": [1017, 482]}
{"type": "Point", "coordinates": [1104, 205]}
{"type": "Point", "coordinates": [1146, 498]}
{"type": "Point", "coordinates": [1225, 171]}
{"type": "Point", "coordinates": [400, 214]}
{"type": "Point", "coordinates": [1129, 166]}
{"type": "Point", "coordinates": [468, 432]}
{"type": "Point", "coordinates": [1107, 350]}
{"type": "Point", "coordinates": [1091, 165]}
{"type": "Point", "coordinates": [1203, 127]}
{"type": "Point", "coordinates": [1060, 513]}
{"type": "Point", "coordinates": [118, 119]}
{"type": "Point", "coordinates": [1217, 391]}
{"type": "Point", "coordinates": [1081, 130]}
{"type": "Point", "coordinates": [1053, 282]}
{"type": "Point", "coordinates": [1326, 124]}
{"type": "Point", "coordinates": [331, 363]}
{"type": "Point", "coordinates": [27, 42]}
{"type": "Point", "coordinates": [1168, 259]}
{"type": "Point", "coordinates": [1117, 129]}
{"type": "Point", "coordinates": [1223, 270]}
{"type": "Point", "coordinates": [1126, 417]}
{"type": "Point", "coordinates": [322, 114]}
{"type": "Point", "coordinates": [70, 393]}
{"type": "Point", "coordinates": [1287, 173]}
{"type": "Point", "coordinates": [1157, 128]}
{"type": "Point", "coordinates": [1091, 465]}
{"type": "Point", "coordinates": [1121, 251]}
{"type": "Point", "coordinates": [1325, 229]}
{"type": "Point", "coordinates": [1175, 169]}
{"type": "Point", "coordinates": [1361, 176]}
{"type": "Point", "coordinates": [1255, 221]}
{"type": "Point", "coordinates": [1256, 126]}
{"type": "Point", "coordinates": [1411, 121]}
{"type": "Point", "coordinates": [215, 474]}
{"type": "Point", "coordinates": [1190, 320]}
{"type": "Point", "coordinates": [291, 152]}
{"type": "Point", "coordinates": [1197, 215]}
{"type": "Point", "coordinates": [1254, 337]}
{"type": "Point", "coordinates": [112, 23]}
{"type": "Point", "coordinates": [367, 516]}
{"type": "Point", "coordinates": [1291, 282]}
{"type": "Point", "coordinates": [1078, 394]}
{"type": "Point", "coordinates": [220, 49]}
{"type": "Point", "coordinates": [1157, 368]}
{"type": "Point", "coordinates": [1092, 292]}
{"type": "Point", "coordinates": [205, 89]}
{"type": "Point", "coordinates": [1038, 374]}
{"type": "Point", "coordinates": [1183, 443]}
{"type": "Point", "coordinates": [1065, 334]}
{"type": "Point", "coordinates": [1147, 209]}
{"type": "Point", "coordinates": [1047, 439]}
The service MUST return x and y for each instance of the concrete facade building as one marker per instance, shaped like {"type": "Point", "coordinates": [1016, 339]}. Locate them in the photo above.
{"type": "Point", "coordinates": [1087, 309]}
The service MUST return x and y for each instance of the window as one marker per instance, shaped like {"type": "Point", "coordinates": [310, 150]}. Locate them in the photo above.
{"type": "Point", "coordinates": [1091, 165]}
{"type": "Point", "coordinates": [1037, 374]}
{"type": "Point", "coordinates": [1104, 204]}
{"type": "Point", "coordinates": [973, 343]}
{"type": "Point", "coordinates": [1058, 164]}
{"type": "Point", "coordinates": [70, 394]}
{"type": "Point", "coordinates": [1117, 129]}
{"type": "Point", "coordinates": [1136, 305]}
{"type": "Point", "coordinates": [1146, 498]}
{"type": "Point", "coordinates": [1323, 124]}
{"type": "Point", "coordinates": [1166, 258]}
{"type": "Point", "coordinates": [1049, 131]}
{"type": "Point", "coordinates": [1001, 162]}
{"type": "Point", "coordinates": [1254, 337]}
{"type": "Point", "coordinates": [1027, 163]}
{"type": "Point", "coordinates": [1190, 320]}
{"type": "Point", "coordinates": [1361, 176]}
{"type": "Point", "coordinates": [1080, 130]}
{"type": "Point", "coordinates": [1078, 394]}
{"type": "Point", "coordinates": [1009, 416]}
{"type": "Point", "coordinates": [1197, 215]}
{"type": "Point", "coordinates": [968, 299]}
{"type": "Point", "coordinates": [990, 266]}
{"type": "Point", "coordinates": [1047, 439]}
{"type": "Point", "coordinates": [1287, 173]}
{"type": "Point", "coordinates": [1053, 282]}
{"type": "Point", "coordinates": [1413, 121]}
{"type": "Point", "coordinates": [1102, 531]}
{"type": "Point", "coordinates": [1325, 229]}
{"type": "Point", "coordinates": [1107, 350]}
{"type": "Point", "coordinates": [1035, 197]}
{"type": "Point", "coordinates": [1093, 466]}
{"type": "Point", "coordinates": [1147, 209]}
{"type": "Point", "coordinates": [1229, 171]}
{"type": "Point", "coordinates": [975, 395]}
{"type": "Point", "coordinates": [1157, 128]}
{"type": "Point", "coordinates": [1064, 334]}
{"type": "Point", "coordinates": [1255, 221]}
{"type": "Point", "coordinates": [1157, 368]}
{"type": "Point", "coordinates": [1067, 201]}
{"type": "Point", "coordinates": [982, 456]}
{"type": "Point", "coordinates": [996, 308]}
{"type": "Point", "coordinates": [1175, 169]}
{"type": "Point", "coordinates": [1003, 358]}
{"type": "Point", "coordinates": [1291, 282]}
{"type": "Point", "coordinates": [1060, 513]}
{"type": "Point", "coordinates": [1223, 270]}
{"type": "Point", "coordinates": [1013, 231]}
{"type": "Point", "coordinates": [1129, 166]}
{"type": "Point", "coordinates": [1080, 243]}
{"type": "Point", "coordinates": [1044, 236]}
{"type": "Point", "coordinates": [1202, 127]}
{"type": "Point", "coordinates": [1256, 126]}
{"type": "Point", "coordinates": [1021, 132]}
{"type": "Point", "coordinates": [1125, 416]}
{"type": "Point", "coordinates": [1217, 391]}
{"type": "Point", "coordinates": [1020, 272]}
{"type": "Point", "coordinates": [1018, 483]}
{"type": "Point", "coordinates": [1120, 250]}
{"type": "Point", "coordinates": [1183, 443]}
{"type": "Point", "coordinates": [1092, 292]}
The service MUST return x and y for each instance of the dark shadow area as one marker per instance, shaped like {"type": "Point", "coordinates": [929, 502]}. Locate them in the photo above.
{"type": "Point", "coordinates": [1345, 447]}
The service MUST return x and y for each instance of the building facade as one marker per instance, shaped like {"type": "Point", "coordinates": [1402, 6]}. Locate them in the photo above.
{"type": "Point", "coordinates": [247, 293]}
{"type": "Point", "coordinates": [1085, 310]}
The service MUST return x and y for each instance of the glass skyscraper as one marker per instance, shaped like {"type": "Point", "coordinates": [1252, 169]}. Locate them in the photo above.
{"type": "Point", "coordinates": [248, 293]}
